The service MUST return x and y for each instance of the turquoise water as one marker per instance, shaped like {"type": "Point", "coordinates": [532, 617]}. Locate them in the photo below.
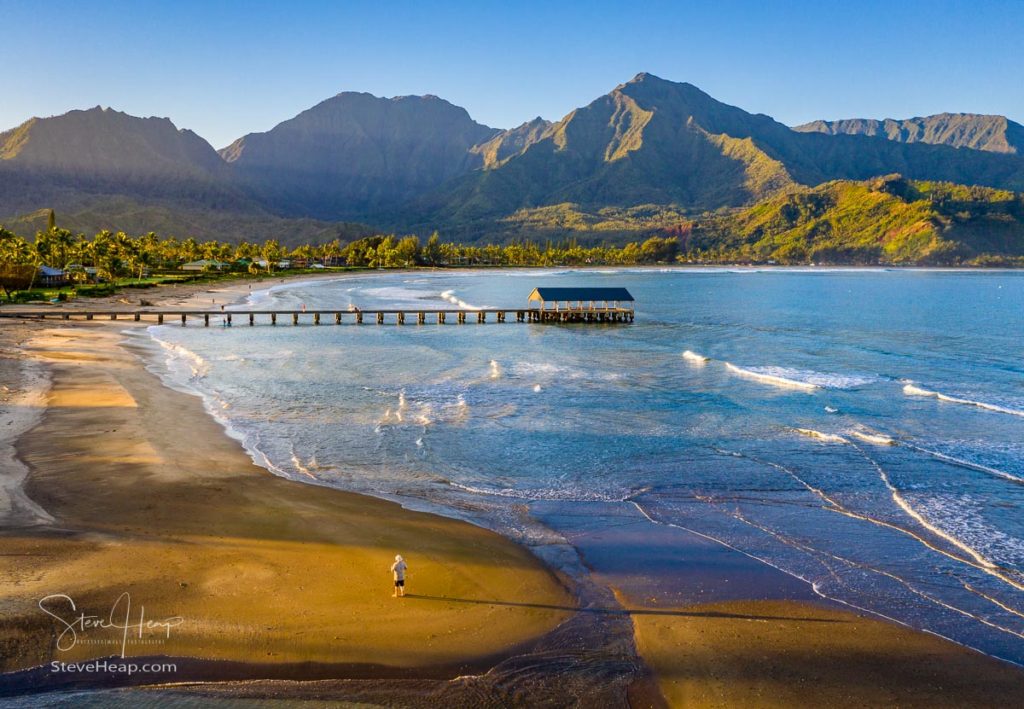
{"type": "Point", "coordinates": [860, 430]}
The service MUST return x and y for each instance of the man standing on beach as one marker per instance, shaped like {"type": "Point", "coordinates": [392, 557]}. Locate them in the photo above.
{"type": "Point", "coordinates": [398, 569]}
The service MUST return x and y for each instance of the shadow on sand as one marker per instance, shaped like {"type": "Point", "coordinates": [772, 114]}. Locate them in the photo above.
{"type": "Point", "coordinates": [621, 611]}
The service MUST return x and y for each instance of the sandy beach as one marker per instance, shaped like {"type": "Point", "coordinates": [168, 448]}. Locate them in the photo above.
{"type": "Point", "coordinates": [144, 493]}
{"type": "Point", "coordinates": [121, 485]}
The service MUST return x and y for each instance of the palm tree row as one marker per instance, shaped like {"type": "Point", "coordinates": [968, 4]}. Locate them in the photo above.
{"type": "Point", "coordinates": [116, 254]}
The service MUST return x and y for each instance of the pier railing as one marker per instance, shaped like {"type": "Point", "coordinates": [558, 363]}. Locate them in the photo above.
{"type": "Point", "coordinates": [331, 316]}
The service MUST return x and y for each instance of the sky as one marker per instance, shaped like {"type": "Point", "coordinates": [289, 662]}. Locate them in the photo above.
{"type": "Point", "coordinates": [224, 69]}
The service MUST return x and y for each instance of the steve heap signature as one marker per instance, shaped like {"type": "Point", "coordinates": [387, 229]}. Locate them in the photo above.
{"type": "Point", "coordinates": [122, 618]}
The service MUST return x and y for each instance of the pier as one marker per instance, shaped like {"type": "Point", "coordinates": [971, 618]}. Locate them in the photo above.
{"type": "Point", "coordinates": [330, 317]}
{"type": "Point", "coordinates": [554, 305]}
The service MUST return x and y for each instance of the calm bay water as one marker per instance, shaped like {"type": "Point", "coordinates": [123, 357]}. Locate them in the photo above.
{"type": "Point", "coordinates": [860, 430]}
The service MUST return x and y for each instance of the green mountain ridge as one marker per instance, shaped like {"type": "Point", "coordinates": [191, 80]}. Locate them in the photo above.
{"type": "Point", "coordinates": [650, 157]}
{"type": "Point", "coordinates": [888, 220]}
{"type": "Point", "coordinates": [657, 141]}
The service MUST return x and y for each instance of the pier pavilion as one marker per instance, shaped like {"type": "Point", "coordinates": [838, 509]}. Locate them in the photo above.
{"type": "Point", "coordinates": [580, 305]}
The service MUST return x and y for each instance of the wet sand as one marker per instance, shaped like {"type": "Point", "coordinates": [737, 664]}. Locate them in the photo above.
{"type": "Point", "coordinates": [790, 654]}
{"type": "Point", "coordinates": [721, 629]}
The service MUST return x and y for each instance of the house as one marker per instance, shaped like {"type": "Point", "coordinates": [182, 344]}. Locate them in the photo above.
{"type": "Point", "coordinates": [78, 272]}
{"type": "Point", "coordinates": [204, 265]}
{"type": "Point", "coordinates": [52, 277]}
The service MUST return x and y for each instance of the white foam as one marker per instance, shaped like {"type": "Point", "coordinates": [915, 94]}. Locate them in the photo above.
{"type": "Point", "coordinates": [877, 439]}
{"type": "Point", "coordinates": [821, 436]}
{"type": "Point", "coordinates": [403, 406]}
{"type": "Point", "coordinates": [561, 372]}
{"type": "Point", "coordinates": [765, 375]}
{"type": "Point", "coordinates": [564, 494]}
{"type": "Point", "coordinates": [450, 296]}
{"type": "Point", "coordinates": [424, 417]}
{"type": "Point", "coordinates": [304, 469]}
{"type": "Point", "coordinates": [912, 390]}
{"type": "Point", "coordinates": [495, 369]}
{"type": "Point", "coordinates": [197, 365]}
{"type": "Point", "coordinates": [695, 359]}
{"type": "Point", "coordinates": [805, 379]}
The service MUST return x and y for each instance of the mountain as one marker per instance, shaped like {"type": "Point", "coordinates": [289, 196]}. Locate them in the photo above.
{"type": "Point", "coordinates": [71, 162]}
{"type": "Point", "coordinates": [102, 143]}
{"type": "Point", "coordinates": [355, 155]}
{"type": "Point", "coordinates": [996, 134]}
{"type": "Point", "coordinates": [103, 169]}
{"type": "Point", "coordinates": [652, 141]}
{"type": "Point", "coordinates": [649, 156]}
{"type": "Point", "coordinates": [509, 143]}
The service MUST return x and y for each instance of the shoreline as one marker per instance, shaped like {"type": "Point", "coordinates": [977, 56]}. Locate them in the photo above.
{"type": "Point", "coordinates": [21, 406]}
{"type": "Point", "coordinates": [662, 632]}
{"type": "Point", "coordinates": [453, 560]}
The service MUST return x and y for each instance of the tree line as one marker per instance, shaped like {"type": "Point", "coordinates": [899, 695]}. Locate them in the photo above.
{"type": "Point", "coordinates": [118, 255]}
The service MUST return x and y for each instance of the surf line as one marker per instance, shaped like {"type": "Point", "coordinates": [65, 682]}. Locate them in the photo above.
{"type": "Point", "coordinates": [910, 587]}
{"type": "Point", "coordinates": [989, 598]}
{"type": "Point", "coordinates": [772, 379]}
{"type": "Point", "coordinates": [980, 563]}
{"type": "Point", "coordinates": [814, 586]}
{"type": "Point", "coordinates": [912, 390]}
{"type": "Point", "coordinates": [983, 563]}
{"type": "Point", "coordinates": [950, 460]}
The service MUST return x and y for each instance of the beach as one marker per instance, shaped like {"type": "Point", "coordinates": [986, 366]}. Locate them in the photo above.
{"type": "Point", "coordinates": [123, 485]}
{"type": "Point", "coordinates": [149, 496]}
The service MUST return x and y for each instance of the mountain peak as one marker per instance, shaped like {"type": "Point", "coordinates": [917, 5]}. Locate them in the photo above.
{"type": "Point", "coordinates": [357, 153]}
{"type": "Point", "coordinates": [645, 76]}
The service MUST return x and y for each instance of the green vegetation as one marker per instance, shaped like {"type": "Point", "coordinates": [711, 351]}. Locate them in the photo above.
{"type": "Point", "coordinates": [109, 260]}
{"type": "Point", "coordinates": [888, 220]}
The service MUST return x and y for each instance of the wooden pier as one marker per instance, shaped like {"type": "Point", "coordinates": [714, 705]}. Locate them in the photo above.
{"type": "Point", "coordinates": [226, 318]}
{"type": "Point", "coordinates": [545, 305]}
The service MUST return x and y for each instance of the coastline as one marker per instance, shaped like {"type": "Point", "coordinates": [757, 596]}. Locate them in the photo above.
{"type": "Point", "coordinates": [112, 459]}
{"type": "Point", "coordinates": [708, 653]}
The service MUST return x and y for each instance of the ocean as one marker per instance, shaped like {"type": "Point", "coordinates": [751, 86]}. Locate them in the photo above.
{"type": "Point", "coordinates": [861, 430]}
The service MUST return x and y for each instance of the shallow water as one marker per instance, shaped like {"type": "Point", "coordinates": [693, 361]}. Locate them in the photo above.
{"type": "Point", "coordinates": [861, 430]}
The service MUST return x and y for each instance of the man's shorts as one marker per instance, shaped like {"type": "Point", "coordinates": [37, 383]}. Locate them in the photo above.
{"type": "Point", "coordinates": [399, 582]}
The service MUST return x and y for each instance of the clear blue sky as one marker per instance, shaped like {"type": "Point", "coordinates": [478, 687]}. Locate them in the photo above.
{"type": "Point", "coordinates": [224, 69]}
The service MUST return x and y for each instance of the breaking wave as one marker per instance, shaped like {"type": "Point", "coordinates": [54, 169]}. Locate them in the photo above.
{"type": "Point", "coordinates": [805, 379]}
{"type": "Point", "coordinates": [198, 366]}
{"type": "Point", "coordinates": [878, 439]}
{"type": "Point", "coordinates": [695, 359]}
{"type": "Point", "coordinates": [912, 390]}
{"type": "Point", "coordinates": [821, 436]}
{"type": "Point", "coordinates": [450, 296]}
{"type": "Point", "coordinates": [774, 376]}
